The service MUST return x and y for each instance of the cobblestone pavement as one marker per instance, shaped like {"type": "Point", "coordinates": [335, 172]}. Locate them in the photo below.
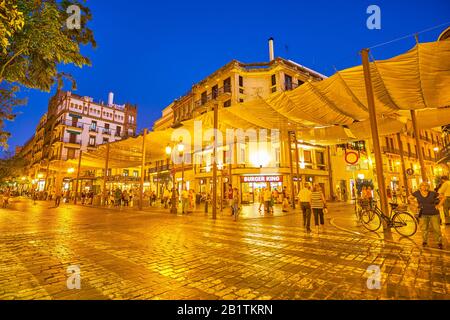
{"type": "Point", "coordinates": [129, 254]}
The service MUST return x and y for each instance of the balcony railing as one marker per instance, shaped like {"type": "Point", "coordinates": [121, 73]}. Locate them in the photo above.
{"type": "Point", "coordinates": [214, 95]}
{"type": "Point", "coordinates": [121, 178]}
{"type": "Point", "coordinates": [91, 129]}
{"type": "Point", "coordinates": [69, 123]}
{"type": "Point", "coordinates": [71, 141]}
{"type": "Point", "coordinates": [107, 131]}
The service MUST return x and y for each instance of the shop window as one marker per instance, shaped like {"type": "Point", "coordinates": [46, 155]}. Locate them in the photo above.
{"type": "Point", "coordinates": [307, 156]}
{"type": "Point", "coordinates": [135, 173]}
{"type": "Point", "coordinates": [126, 172]}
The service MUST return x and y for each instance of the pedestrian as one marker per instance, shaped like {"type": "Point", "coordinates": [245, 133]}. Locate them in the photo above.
{"type": "Point", "coordinates": [428, 202]}
{"type": "Point", "coordinates": [444, 192]}
{"type": "Point", "coordinates": [369, 196]}
{"type": "Point", "coordinates": [304, 198]}
{"type": "Point", "coordinates": [235, 203]}
{"type": "Point", "coordinates": [261, 198]}
{"type": "Point", "coordinates": [125, 198]}
{"type": "Point", "coordinates": [184, 200]}
{"type": "Point", "coordinates": [111, 198]}
{"type": "Point", "coordinates": [6, 196]}
{"type": "Point", "coordinates": [58, 195]}
{"type": "Point", "coordinates": [83, 197]}
{"type": "Point", "coordinates": [166, 196]}
{"type": "Point", "coordinates": [394, 195]}
{"type": "Point", "coordinates": [191, 201]}
{"type": "Point", "coordinates": [404, 195]}
{"type": "Point", "coordinates": [267, 200]}
{"type": "Point", "coordinates": [318, 204]}
{"type": "Point", "coordinates": [117, 197]}
{"type": "Point", "coordinates": [230, 198]}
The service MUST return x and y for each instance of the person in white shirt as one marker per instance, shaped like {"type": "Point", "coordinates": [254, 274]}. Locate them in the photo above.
{"type": "Point", "coordinates": [304, 199]}
{"type": "Point", "coordinates": [444, 193]}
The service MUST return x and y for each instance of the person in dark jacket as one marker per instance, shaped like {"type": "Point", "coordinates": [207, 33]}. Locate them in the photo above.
{"type": "Point", "coordinates": [428, 212]}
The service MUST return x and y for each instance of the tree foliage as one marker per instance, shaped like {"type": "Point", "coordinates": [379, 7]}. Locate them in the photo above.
{"type": "Point", "coordinates": [44, 42]}
{"type": "Point", "coordinates": [8, 100]}
{"type": "Point", "coordinates": [11, 21]}
{"type": "Point", "coordinates": [12, 167]}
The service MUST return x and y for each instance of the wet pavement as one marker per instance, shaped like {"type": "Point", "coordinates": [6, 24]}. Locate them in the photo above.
{"type": "Point", "coordinates": [151, 254]}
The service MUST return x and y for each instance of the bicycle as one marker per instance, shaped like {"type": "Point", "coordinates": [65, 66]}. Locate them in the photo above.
{"type": "Point", "coordinates": [402, 221]}
{"type": "Point", "coordinates": [360, 206]}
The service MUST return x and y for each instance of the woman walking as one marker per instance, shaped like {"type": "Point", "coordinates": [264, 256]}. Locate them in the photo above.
{"type": "Point", "coordinates": [318, 203]}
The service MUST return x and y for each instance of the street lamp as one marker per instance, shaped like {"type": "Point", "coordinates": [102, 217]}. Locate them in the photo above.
{"type": "Point", "coordinates": [173, 207]}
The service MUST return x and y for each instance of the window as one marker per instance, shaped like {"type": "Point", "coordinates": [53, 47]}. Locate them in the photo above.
{"type": "Point", "coordinates": [227, 104]}
{"type": "Point", "coordinates": [93, 126]}
{"type": "Point", "coordinates": [135, 173]}
{"type": "Point", "coordinates": [215, 91]}
{"type": "Point", "coordinates": [320, 158]}
{"type": "Point", "coordinates": [409, 148]}
{"type": "Point", "coordinates": [241, 100]}
{"type": "Point", "coordinates": [91, 141]}
{"type": "Point", "coordinates": [227, 85]}
{"type": "Point", "coordinates": [241, 81]}
{"type": "Point", "coordinates": [300, 82]}
{"type": "Point", "coordinates": [274, 80]}
{"type": "Point", "coordinates": [204, 97]}
{"type": "Point", "coordinates": [274, 89]}
{"type": "Point", "coordinates": [105, 140]}
{"type": "Point", "coordinates": [70, 154]}
{"type": "Point", "coordinates": [307, 156]}
{"type": "Point", "coordinates": [118, 129]}
{"type": "Point", "coordinates": [126, 172]}
{"type": "Point", "coordinates": [288, 82]}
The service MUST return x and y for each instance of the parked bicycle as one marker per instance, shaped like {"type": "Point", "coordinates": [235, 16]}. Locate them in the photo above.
{"type": "Point", "coordinates": [402, 221]}
{"type": "Point", "coordinates": [360, 206]}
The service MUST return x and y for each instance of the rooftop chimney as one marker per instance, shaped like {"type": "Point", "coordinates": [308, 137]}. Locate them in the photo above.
{"type": "Point", "coordinates": [110, 99]}
{"type": "Point", "coordinates": [271, 53]}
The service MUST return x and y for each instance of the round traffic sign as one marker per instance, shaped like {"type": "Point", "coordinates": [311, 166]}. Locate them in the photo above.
{"type": "Point", "coordinates": [351, 157]}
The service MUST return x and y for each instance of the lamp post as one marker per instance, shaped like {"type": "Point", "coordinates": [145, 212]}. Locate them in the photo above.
{"type": "Point", "coordinates": [180, 148]}
{"type": "Point", "coordinates": [173, 207]}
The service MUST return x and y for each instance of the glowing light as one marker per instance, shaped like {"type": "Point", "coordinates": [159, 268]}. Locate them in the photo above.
{"type": "Point", "coordinates": [71, 170]}
{"type": "Point", "coordinates": [180, 147]}
{"type": "Point", "coordinates": [24, 178]}
{"type": "Point", "coordinates": [40, 176]}
{"type": "Point", "coordinates": [260, 158]}
{"type": "Point", "coordinates": [361, 176]}
{"type": "Point", "coordinates": [436, 149]}
{"type": "Point", "coordinates": [168, 150]}
{"type": "Point", "coordinates": [302, 165]}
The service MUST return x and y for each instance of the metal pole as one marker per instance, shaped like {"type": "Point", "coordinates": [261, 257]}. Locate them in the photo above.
{"type": "Point", "coordinates": [78, 176]}
{"type": "Point", "coordinates": [292, 170]}
{"type": "Point", "coordinates": [402, 159]}
{"type": "Point", "coordinates": [297, 162]}
{"type": "Point", "coordinates": [106, 173]}
{"type": "Point", "coordinates": [157, 179]}
{"type": "Point", "coordinates": [214, 197]}
{"type": "Point", "coordinates": [173, 208]}
{"type": "Point", "coordinates": [374, 130]}
{"type": "Point", "coordinates": [423, 170]}
{"type": "Point", "coordinates": [330, 173]}
{"type": "Point", "coordinates": [141, 191]}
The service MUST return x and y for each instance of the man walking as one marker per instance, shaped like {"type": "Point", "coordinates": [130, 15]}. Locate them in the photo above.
{"type": "Point", "coordinates": [184, 200]}
{"type": "Point", "coordinates": [57, 197]}
{"type": "Point", "coordinates": [444, 192]}
{"type": "Point", "coordinates": [428, 212]}
{"type": "Point", "coordinates": [304, 199]}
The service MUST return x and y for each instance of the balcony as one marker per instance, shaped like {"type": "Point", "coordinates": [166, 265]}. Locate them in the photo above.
{"type": "Point", "coordinates": [121, 178]}
{"type": "Point", "coordinates": [91, 146]}
{"type": "Point", "coordinates": [391, 150]}
{"type": "Point", "coordinates": [92, 129]}
{"type": "Point", "coordinates": [222, 94]}
{"type": "Point", "coordinates": [117, 134]}
{"type": "Point", "coordinates": [73, 142]}
{"type": "Point", "coordinates": [106, 131]}
{"type": "Point", "coordinates": [70, 124]}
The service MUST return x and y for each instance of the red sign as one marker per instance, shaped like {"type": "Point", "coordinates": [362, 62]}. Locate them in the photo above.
{"type": "Point", "coordinates": [351, 157]}
{"type": "Point", "coordinates": [251, 179]}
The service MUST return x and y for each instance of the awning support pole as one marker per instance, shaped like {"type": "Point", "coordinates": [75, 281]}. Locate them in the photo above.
{"type": "Point", "coordinates": [402, 159]}
{"type": "Point", "coordinates": [78, 177]}
{"type": "Point", "coordinates": [423, 170]}
{"type": "Point", "coordinates": [291, 167]}
{"type": "Point", "coordinates": [214, 195]}
{"type": "Point", "coordinates": [106, 173]}
{"type": "Point", "coordinates": [375, 136]}
{"type": "Point", "coordinates": [141, 191]}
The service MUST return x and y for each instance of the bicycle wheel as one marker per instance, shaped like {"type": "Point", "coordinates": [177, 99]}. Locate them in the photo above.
{"type": "Point", "coordinates": [404, 223]}
{"type": "Point", "coordinates": [371, 220]}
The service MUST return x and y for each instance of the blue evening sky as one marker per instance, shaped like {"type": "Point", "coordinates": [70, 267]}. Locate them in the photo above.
{"type": "Point", "coordinates": [151, 52]}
